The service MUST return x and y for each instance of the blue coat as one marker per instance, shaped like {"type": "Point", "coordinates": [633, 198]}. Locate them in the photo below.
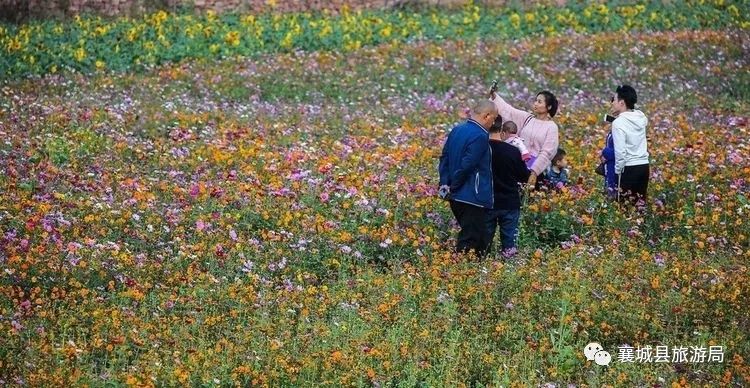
{"type": "Point", "coordinates": [466, 165]}
{"type": "Point", "coordinates": [610, 178]}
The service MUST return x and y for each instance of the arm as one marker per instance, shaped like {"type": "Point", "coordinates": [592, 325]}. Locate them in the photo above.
{"type": "Point", "coordinates": [548, 150]}
{"type": "Point", "coordinates": [510, 113]}
{"type": "Point", "coordinates": [608, 152]}
{"type": "Point", "coordinates": [474, 151]}
{"type": "Point", "coordinates": [564, 176]}
{"type": "Point", "coordinates": [618, 138]}
{"type": "Point", "coordinates": [520, 171]}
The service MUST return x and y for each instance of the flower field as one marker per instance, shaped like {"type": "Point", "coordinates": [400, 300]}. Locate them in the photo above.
{"type": "Point", "coordinates": [94, 44]}
{"type": "Point", "coordinates": [274, 221]}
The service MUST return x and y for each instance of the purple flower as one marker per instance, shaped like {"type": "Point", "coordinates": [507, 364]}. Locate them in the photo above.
{"type": "Point", "coordinates": [248, 266]}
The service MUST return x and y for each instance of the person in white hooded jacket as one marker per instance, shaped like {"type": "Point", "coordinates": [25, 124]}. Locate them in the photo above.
{"type": "Point", "coordinates": [631, 149]}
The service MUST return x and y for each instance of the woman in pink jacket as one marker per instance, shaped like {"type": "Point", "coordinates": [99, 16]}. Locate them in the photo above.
{"type": "Point", "coordinates": [538, 131]}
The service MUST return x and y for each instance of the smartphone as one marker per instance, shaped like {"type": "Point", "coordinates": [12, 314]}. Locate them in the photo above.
{"type": "Point", "coordinates": [493, 89]}
{"type": "Point", "coordinates": [609, 118]}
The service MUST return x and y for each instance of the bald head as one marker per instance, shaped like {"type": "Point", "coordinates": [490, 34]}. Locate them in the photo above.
{"type": "Point", "coordinates": [484, 113]}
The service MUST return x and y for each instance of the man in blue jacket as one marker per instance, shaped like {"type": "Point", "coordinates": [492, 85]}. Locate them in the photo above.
{"type": "Point", "coordinates": [466, 177]}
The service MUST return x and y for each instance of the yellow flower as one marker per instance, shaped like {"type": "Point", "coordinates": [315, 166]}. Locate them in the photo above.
{"type": "Point", "coordinates": [132, 34]}
{"type": "Point", "coordinates": [386, 31]}
{"type": "Point", "coordinates": [352, 45]}
{"type": "Point", "coordinates": [325, 31]}
{"type": "Point", "coordinates": [733, 11]}
{"type": "Point", "coordinates": [232, 38]}
{"type": "Point", "coordinates": [515, 20]}
{"type": "Point", "coordinates": [159, 17]}
{"type": "Point", "coordinates": [80, 54]}
{"type": "Point", "coordinates": [288, 40]}
{"type": "Point", "coordinates": [99, 65]}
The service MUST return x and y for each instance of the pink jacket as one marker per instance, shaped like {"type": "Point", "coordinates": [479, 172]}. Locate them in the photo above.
{"type": "Point", "coordinates": [540, 136]}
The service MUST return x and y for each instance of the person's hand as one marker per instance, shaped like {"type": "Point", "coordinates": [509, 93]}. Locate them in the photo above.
{"type": "Point", "coordinates": [532, 180]}
{"type": "Point", "coordinates": [444, 192]}
{"type": "Point", "coordinates": [603, 159]}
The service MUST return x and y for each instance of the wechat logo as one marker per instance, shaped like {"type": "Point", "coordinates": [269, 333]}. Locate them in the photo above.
{"type": "Point", "coordinates": [595, 352]}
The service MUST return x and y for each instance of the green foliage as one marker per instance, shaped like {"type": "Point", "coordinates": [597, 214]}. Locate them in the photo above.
{"type": "Point", "coordinates": [89, 44]}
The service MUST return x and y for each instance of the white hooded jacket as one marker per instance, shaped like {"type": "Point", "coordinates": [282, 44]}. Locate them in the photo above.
{"type": "Point", "coordinates": [629, 138]}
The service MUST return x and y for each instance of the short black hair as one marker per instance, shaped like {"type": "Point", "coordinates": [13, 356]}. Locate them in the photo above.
{"type": "Point", "coordinates": [551, 101]}
{"type": "Point", "coordinates": [627, 94]}
{"type": "Point", "coordinates": [560, 155]}
{"type": "Point", "coordinates": [497, 125]}
{"type": "Point", "coordinates": [510, 127]}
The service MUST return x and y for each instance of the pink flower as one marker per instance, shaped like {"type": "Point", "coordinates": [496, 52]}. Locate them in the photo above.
{"type": "Point", "coordinates": [195, 190]}
{"type": "Point", "coordinates": [324, 196]}
{"type": "Point", "coordinates": [200, 225]}
{"type": "Point", "coordinates": [233, 235]}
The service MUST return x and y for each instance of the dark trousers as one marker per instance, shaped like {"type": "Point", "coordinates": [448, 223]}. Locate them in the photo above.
{"type": "Point", "coordinates": [634, 183]}
{"type": "Point", "coordinates": [508, 222]}
{"type": "Point", "coordinates": [473, 234]}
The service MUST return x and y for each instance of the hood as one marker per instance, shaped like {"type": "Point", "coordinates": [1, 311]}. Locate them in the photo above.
{"type": "Point", "coordinates": [635, 119]}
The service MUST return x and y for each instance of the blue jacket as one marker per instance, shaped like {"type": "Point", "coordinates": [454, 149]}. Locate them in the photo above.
{"type": "Point", "coordinates": [608, 153]}
{"type": "Point", "coordinates": [465, 165]}
{"type": "Point", "coordinates": [557, 177]}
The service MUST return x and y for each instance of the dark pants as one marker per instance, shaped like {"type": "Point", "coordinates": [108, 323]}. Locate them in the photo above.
{"type": "Point", "coordinates": [634, 183]}
{"type": "Point", "coordinates": [508, 222]}
{"type": "Point", "coordinates": [473, 234]}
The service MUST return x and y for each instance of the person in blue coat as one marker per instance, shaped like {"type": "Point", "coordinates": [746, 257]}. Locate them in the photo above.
{"type": "Point", "coordinates": [608, 157]}
{"type": "Point", "coordinates": [466, 177]}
